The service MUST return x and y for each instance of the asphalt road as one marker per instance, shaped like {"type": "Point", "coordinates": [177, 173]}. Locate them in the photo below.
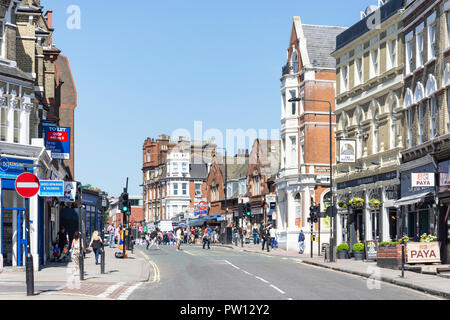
{"type": "Point", "coordinates": [224, 274]}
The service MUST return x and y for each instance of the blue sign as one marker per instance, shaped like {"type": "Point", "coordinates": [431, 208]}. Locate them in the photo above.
{"type": "Point", "coordinates": [57, 140]}
{"type": "Point", "coordinates": [11, 168]}
{"type": "Point", "coordinates": [201, 213]}
{"type": "Point", "coordinates": [51, 188]}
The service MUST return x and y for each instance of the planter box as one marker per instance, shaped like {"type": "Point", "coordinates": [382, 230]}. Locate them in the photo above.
{"type": "Point", "coordinates": [342, 254]}
{"type": "Point", "coordinates": [389, 257]}
{"type": "Point", "coordinates": [359, 255]}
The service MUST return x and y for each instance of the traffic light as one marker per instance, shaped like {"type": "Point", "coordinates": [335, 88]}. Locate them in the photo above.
{"type": "Point", "coordinates": [248, 209]}
{"type": "Point", "coordinates": [242, 208]}
{"type": "Point", "coordinates": [124, 204]}
{"type": "Point", "coordinates": [315, 213]}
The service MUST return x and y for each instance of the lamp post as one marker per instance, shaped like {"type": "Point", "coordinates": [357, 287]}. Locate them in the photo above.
{"type": "Point", "coordinates": [333, 211]}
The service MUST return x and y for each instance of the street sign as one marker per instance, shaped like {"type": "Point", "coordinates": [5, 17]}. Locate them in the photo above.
{"type": "Point", "coordinates": [51, 188]}
{"type": "Point", "coordinates": [202, 205]}
{"type": "Point", "coordinates": [27, 185]}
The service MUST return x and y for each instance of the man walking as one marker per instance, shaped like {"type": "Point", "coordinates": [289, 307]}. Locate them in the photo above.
{"type": "Point", "coordinates": [206, 238]}
{"type": "Point", "coordinates": [265, 238]}
{"type": "Point", "coordinates": [154, 240]}
{"type": "Point", "coordinates": [112, 233]}
{"type": "Point", "coordinates": [301, 242]}
{"type": "Point", "coordinates": [272, 235]}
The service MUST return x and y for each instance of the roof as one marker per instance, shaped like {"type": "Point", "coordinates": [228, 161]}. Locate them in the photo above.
{"type": "Point", "coordinates": [198, 171]}
{"type": "Point", "coordinates": [14, 72]}
{"type": "Point", "coordinates": [320, 43]}
{"type": "Point", "coordinates": [237, 167]}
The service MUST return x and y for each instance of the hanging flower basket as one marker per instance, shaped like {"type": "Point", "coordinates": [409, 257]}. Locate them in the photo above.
{"type": "Point", "coordinates": [342, 204]}
{"type": "Point", "coordinates": [356, 202]}
{"type": "Point", "coordinates": [375, 204]}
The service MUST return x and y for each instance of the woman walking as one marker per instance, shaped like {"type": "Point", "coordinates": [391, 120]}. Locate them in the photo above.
{"type": "Point", "coordinates": [77, 246]}
{"type": "Point", "coordinates": [96, 244]}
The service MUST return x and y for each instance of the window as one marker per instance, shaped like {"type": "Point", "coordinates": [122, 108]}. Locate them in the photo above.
{"type": "Point", "coordinates": [393, 53]}
{"type": "Point", "coordinates": [410, 127]}
{"type": "Point", "coordinates": [175, 167]}
{"type": "Point", "coordinates": [374, 57]}
{"type": "Point", "coordinates": [198, 189]}
{"type": "Point", "coordinates": [175, 189]}
{"type": "Point", "coordinates": [360, 135]}
{"type": "Point", "coordinates": [433, 117]}
{"type": "Point", "coordinates": [393, 125]}
{"type": "Point", "coordinates": [184, 189]}
{"type": "Point", "coordinates": [431, 41]}
{"type": "Point", "coordinates": [420, 52]}
{"type": "Point", "coordinates": [184, 167]}
{"type": "Point", "coordinates": [420, 123]}
{"type": "Point", "coordinates": [3, 123]}
{"type": "Point", "coordinates": [16, 126]}
{"type": "Point", "coordinates": [293, 96]}
{"type": "Point", "coordinates": [409, 55]}
{"type": "Point", "coordinates": [375, 132]}
{"type": "Point", "coordinates": [448, 108]}
{"type": "Point", "coordinates": [448, 28]}
{"type": "Point", "coordinates": [294, 62]}
{"type": "Point", "coordinates": [344, 86]}
{"type": "Point", "coordinates": [148, 156]}
{"type": "Point", "coordinates": [283, 105]}
{"type": "Point", "coordinates": [2, 39]}
{"type": "Point", "coordinates": [359, 72]}
{"type": "Point", "coordinates": [293, 150]}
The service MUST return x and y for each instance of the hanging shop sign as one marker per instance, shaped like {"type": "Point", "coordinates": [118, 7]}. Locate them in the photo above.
{"type": "Point", "coordinates": [422, 179]}
{"type": "Point", "coordinates": [11, 168]}
{"type": "Point", "coordinates": [70, 192]}
{"type": "Point", "coordinates": [51, 188]}
{"type": "Point", "coordinates": [423, 252]}
{"type": "Point", "coordinates": [347, 151]}
{"type": "Point", "coordinates": [57, 140]}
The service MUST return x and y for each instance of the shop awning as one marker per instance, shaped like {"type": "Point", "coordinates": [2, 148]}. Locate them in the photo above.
{"type": "Point", "coordinates": [412, 199]}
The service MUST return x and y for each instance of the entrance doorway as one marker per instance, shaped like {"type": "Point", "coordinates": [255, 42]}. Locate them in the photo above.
{"type": "Point", "coordinates": [360, 225]}
{"type": "Point", "coordinates": [393, 224]}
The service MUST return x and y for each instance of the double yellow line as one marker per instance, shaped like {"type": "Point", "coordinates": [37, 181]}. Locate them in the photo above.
{"type": "Point", "coordinates": [156, 274]}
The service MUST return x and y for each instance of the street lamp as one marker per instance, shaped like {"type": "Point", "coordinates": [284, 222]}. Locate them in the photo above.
{"type": "Point", "coordinates": [333, 225]}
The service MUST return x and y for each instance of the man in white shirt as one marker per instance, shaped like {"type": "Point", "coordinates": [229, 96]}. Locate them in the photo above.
{"type": "Point", "coordinates": [273, 234]}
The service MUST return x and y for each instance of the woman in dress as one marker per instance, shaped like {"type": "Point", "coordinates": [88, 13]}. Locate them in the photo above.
{"type": "Point", "coordinates": [76, 245]}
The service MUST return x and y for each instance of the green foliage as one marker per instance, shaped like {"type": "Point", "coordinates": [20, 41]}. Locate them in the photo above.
{"type": "Point", "coordinates": [342, 247]}
{"type": "Point", "coordinates": [358, 247]}
{"type": "Point", "coordinates": [342, 204]}
{"type": "Point", "coordinates": [356, 202]}
{"type": "Point", "coordinates": [428, 238]}
{"type": "Point", "coordinates": [375, 203]}
{"type": "Point", "coordinates": [388, 244]}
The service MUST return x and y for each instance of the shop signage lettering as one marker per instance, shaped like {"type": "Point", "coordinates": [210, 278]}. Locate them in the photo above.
{"type": "Point", "coordinates": [57, 140]}
{"type": "Point", "coordinates": [422, 252]}
{"type": "Point", "coordinates": [11, 168]}
{"type": "Point", "coordinates": [445, 179]}
{"type": "Point", "coordinates": [422, 180]}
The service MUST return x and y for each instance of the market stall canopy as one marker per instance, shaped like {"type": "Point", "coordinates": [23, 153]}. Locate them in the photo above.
{"type": "Point", "coordinates": [412, 199]}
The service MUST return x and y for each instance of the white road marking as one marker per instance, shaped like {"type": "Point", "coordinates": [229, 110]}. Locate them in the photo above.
{"type": "Point", "coordinates": [111, 289]}
{"type": "Point", "coordinates": [27, 185]}
{"type": "Point", "coordinates": [126, 294]}
{"type": "Point", "coordinates": [278, 289]}
{"type": "Point", "coordinates": [259, 278]}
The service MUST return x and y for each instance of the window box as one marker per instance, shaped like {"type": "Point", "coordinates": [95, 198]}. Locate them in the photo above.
{"type": "Point", "coordinates": [389, 255]}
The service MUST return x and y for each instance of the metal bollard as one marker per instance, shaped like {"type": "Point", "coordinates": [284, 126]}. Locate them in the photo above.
{"type": "Point", "coordinates": [102, 264]}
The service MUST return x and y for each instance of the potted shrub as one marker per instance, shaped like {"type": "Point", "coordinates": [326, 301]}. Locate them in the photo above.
{"type": "Point", "coordinates": [342, 251]}
{"type": "Point", "coordinates": [358, 251]}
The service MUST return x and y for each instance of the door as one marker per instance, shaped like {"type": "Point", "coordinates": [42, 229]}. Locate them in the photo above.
{"type": "Point", "coordinates": [424, 222]}
{"type": "Point", "coordinates": [393, 224]}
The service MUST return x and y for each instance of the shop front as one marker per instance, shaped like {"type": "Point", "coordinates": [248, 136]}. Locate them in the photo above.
{"type": "Point", "coordinates": [444, 210]}
{"type": "Point", "coordinates": [417, 201]}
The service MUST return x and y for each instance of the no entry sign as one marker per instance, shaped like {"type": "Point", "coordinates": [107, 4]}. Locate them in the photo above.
{"type": "Point", "coordinates": [27, 185]}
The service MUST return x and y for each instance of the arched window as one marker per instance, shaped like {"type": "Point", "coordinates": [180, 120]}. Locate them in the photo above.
{"type": "Point", "coordinates": [294, 62]}
{"type": "Point", "coordinates": [420, 122]}
{"type": "Point", "coordinates": [433, 118]}
{"type": "Point", "coordinates": [393, 124]}
{"type": "Point", "coordinates": [375, 131]}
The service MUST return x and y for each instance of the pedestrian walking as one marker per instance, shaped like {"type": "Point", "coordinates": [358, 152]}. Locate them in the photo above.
{"type": "Point", "coordinates": [179, 236]}
{"type": "Point", "coordinates": [112, 233]}
{"type": "Point", "coordinates": [170, 237]}
{"type": "Point", "coordinates": [77, 246]}
{"type": "Point", "coordinates": [272, 233]}
{"type": "Point", "coordinates": [301, 242]}
{"type": "Point", "coordinates": [62, 238]}
{"type": "Point", "coordinates": [265, 237]}
{"type": "Point", "coordinates": [206, 239]}
{"type": "Point", "coordinates": [96, 244]}
{"type": "Point", "coordinates": [154, 240]}
{"type": "Point", "coordinates": [255, 234]}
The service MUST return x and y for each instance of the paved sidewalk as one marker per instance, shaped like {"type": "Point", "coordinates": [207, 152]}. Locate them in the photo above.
{"type": "Point", "coordinates": [431, 284]}
{"type": "Point", "coordinates": [121, 276]}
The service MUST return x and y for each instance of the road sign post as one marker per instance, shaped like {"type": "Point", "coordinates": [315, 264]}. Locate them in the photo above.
{"type": "Point", "coordinates": [27, 185]}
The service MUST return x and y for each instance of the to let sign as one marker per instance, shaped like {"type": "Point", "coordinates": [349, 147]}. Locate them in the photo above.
{"type": "Point", "coordinates": [57, 140]}
{"type": "Point", "coordinates": [423, 252]}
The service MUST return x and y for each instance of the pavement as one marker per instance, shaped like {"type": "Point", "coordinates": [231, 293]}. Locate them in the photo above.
{"type": "Point", "coordinates": [59, 281]}
{"type": "Point", "coordinates": [430, 284]}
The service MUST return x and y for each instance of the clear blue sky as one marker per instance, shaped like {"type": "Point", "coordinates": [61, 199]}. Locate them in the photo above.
{"type": "Point", "coordinates": [147, 67]}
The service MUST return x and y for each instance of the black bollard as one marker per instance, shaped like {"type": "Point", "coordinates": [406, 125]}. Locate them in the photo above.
{"type": "Point", "coordinates": [102, 264]}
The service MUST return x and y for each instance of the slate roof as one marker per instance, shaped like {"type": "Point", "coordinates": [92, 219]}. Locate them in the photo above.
{"type": "Point", "coordinates": [14, 72]}
{"type": "Point", "coordinates": [236, 168]}
{"type": "Point", "coordinates": [198, 171]}
{"type": "Point", "coordinates": [321, 42]}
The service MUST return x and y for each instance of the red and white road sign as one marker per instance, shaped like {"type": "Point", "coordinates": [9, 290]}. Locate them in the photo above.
{"type": "Point", "coordinates": [27, 185]}
{"type": "Point", "coordinates": [202, 205]}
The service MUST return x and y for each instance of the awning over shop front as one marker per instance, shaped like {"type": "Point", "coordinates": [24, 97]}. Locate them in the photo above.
{"type": "Point", "coordinates": [412, 199]}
